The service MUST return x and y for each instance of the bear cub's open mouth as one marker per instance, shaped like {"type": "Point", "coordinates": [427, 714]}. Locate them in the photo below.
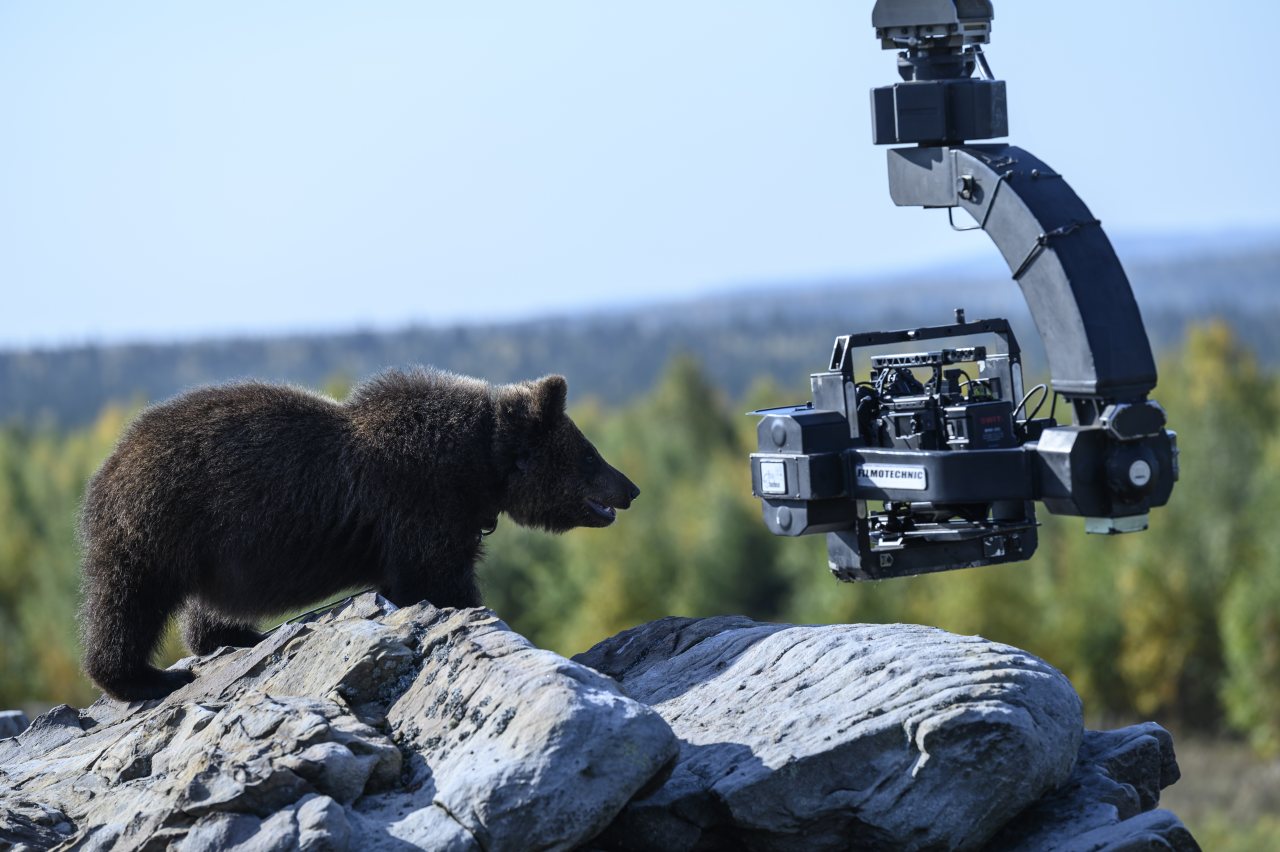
{"type": "Point", "coordinates": [605, 513]}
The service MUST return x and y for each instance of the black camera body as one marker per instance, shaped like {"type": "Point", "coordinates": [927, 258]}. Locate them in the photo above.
{"type": "Point", "coordinates": [943, 441]}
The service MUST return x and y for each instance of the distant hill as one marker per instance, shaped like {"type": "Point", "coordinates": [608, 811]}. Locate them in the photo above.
{"type": "Point", "coordinates": [782, 331]}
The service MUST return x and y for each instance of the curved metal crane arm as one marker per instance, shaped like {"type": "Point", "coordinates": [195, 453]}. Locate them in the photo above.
{"type": "Point", "coordinates": [1072, 280]}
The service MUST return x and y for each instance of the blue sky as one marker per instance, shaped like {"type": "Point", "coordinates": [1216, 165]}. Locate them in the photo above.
{"type": "Point", "coordinates": [170, 170]}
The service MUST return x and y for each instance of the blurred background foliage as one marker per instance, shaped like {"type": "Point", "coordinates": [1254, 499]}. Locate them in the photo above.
{"type": "Point", "coordinates": [1180, 624]}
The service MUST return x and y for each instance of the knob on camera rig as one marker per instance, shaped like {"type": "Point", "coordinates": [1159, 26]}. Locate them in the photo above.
{"type": "Point", "coordinates": [906, 476]}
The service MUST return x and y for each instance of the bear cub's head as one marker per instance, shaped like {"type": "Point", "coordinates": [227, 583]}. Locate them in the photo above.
{"type": "Point", "coordinates": [558, 480]}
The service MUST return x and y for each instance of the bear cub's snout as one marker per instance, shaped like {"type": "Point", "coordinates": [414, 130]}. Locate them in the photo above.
{"type": "Point", "coordinates": [611, 491]}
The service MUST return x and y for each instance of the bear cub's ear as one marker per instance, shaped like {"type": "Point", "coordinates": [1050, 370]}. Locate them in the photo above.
{"type": "Point", "coordinates": [549, 394]}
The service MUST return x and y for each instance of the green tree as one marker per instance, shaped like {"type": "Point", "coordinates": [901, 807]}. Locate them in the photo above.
{"type": "Point", "coordinates": [42, 480]}
{"type": "Point", "coordinates": [1250, 619]}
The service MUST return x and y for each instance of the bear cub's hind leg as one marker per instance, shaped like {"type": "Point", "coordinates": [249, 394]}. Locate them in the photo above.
{"type": "Point", "coordinates": [206, 631]}
{"type": "Point", "coordinates": [123, 620]}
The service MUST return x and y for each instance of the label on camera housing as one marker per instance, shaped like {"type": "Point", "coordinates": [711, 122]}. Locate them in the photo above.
{"type": "Point", "coordinates": [773, 477]}
{"type": "Point", "coordinates": [894, 477]}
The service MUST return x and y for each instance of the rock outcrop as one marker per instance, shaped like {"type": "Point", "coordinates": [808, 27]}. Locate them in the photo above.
{"type": "Point", "coordinates": [419, 727]}
{"type": "Point", "coordinates": [887, 736]}
{"type": "Point", "coordinates": [12, 723]}
{"type": "Point", "coordinates": [1109, 800]}
{"type": "Point", "coordinates": [369, 727]}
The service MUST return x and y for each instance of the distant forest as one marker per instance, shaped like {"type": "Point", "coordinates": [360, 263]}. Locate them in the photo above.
{"type": "Point", "coordinates": [782, 333]}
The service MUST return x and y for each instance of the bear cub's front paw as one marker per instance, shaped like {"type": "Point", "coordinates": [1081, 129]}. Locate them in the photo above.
{"type": "Point", "coordinates": [152, 684]}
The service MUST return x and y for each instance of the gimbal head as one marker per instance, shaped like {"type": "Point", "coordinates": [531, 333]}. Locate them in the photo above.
{"type": "Point", "coordinates": [941, 47]}
{"type": "Point", "coordinates": [959, 461]}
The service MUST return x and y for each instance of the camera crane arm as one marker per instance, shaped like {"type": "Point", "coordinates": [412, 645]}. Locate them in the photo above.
{"type": "Point", "coordinates": [1070, 276]}
{"type": "Point", "coordinates": [1078, 293]}
{"type": "Point", "coordinates": [958, 472]}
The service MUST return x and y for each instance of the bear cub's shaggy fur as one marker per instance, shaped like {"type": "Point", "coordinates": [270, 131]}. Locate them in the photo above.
{"type": "Point", "coordinates": [239, 502]}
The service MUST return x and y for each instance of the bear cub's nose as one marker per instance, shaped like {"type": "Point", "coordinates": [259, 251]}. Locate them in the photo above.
{"type": "Point", "coordinates": [624, 495]}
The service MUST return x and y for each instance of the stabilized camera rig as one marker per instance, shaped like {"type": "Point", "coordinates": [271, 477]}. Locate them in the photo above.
{"type": "Point", "coordinates": [935, 458]}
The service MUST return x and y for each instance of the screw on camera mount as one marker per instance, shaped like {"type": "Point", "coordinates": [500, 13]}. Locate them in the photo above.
{"type": "Point", "coordinates": [958, 462]}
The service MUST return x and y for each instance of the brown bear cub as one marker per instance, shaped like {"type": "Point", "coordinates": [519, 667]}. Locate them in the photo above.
{"type": "Point", "coordinates": [235, 503]}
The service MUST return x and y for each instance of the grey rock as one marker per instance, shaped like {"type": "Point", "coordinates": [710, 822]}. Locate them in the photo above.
{"type": "Point", "coordinates": [12, 723]}
{"type": "Point", "coordinates": [48, 731]}
{"type": "Point", "coordinates": [154, 775]}
{"type": "Point", "coordinates": [365, 727]}
{"type": "Point", "coordinates": [375, 728]}
{"type": "Point", "coordinates": [312, 824]}
{"type": "Point", "coordinates": [29, 825]}
{"type": "Point", "coordinates": [849, 736]}
{"type": "Point", "coordinates": [1107, 802]}
{"type": "Point", "coordinates": [523, 748]}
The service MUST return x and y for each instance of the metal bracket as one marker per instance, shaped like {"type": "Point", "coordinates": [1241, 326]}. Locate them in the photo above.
{"type": "Point", "coordinates": [1042, 243]}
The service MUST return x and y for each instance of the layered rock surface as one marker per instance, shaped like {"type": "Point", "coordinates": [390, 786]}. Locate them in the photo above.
{"type": "Point", "coordinates": [881, 736]}
{"type": "Point", "coordinates": [370, 728]}
{"type": "Point", "coordinates": [375, 728]}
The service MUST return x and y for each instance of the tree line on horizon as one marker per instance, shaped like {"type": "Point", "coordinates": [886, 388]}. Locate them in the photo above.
{"type": "Point", "coordinates": [1180, 624]}
{"type": "Point", "coordinates": [738, 337]}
